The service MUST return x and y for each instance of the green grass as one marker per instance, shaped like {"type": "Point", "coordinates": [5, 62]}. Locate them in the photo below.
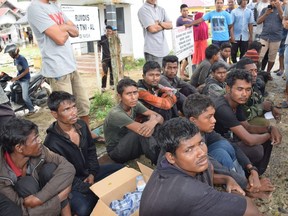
{"type": "Point", "coordinates": [133, 64]}
{"type": "Point", "coordinates": [101, 105]}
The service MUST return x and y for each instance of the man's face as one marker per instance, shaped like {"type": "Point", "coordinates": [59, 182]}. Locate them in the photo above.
{"type": "Point", "coordinates": [152, 77]}
{"type": "Point", "coordinates": [33, 145]}
{"type": "Point", "coordinates": [220, 74]}
{"type": "Point", "coordinates": [170, 69]}
{"type": "Point", "coordinates": [185, 12]}
{"type": "Point", "coordinates": [205, 121]}
{"type": "Point", "coordinates": [67, 113]}
{"type": "Point", "coordinates": [219, 4]}
{"type": "Point", "coordinates": [190, 156]}
{"type": "Point", "coordinates": [109, 32]}
{"type": "Point", "coordinates": [240, 91]}
{"type": "Point", "coordinates": [231, 4]}
{"type": "Point", "coordinates": [153, 2]}
{"type": "Point", "coordinates": [226, 52]}
{"type": "Point", "coordinates": [129, 96]}
{"type": "Point", "coordinates": [252, 69]}
{"type": "Point", "coordinates": [216, 57]}
{"type": "Point", "coordinates": [272, 2]}
{"type": "Point", "coordinates": [243, 3]}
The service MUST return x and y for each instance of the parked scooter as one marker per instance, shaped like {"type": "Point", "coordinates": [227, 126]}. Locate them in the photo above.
{"type": "Point", "coordinates": [39, 91]}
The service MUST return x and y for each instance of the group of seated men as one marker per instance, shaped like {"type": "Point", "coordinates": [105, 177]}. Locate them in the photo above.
{"type": "Point", "coordinates": [221, 138]}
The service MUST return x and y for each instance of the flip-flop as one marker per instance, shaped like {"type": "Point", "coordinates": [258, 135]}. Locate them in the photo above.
{"type": "Point", "coordinates": [276, 71]}
{"type": "Point", "coordinates": [284, 104]}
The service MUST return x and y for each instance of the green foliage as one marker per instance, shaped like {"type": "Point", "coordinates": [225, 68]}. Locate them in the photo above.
{"type": "Point", "coordinates": [101, 105]}
{"type": "Point", "coordinates": [133, 64]}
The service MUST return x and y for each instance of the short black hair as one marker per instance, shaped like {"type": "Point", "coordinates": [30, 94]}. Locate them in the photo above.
{"type": "Point", "coordinates": [238, 74]}
{"type": "Point", "coordinates": [195, 104]}
{"type": "Point", "coordinates": [109, 27]}
{"type": "Point", "coordinates": [124, 83]}
{"type": "Point", "coordinates": [211, 50]}
{"type": "Point", "coordinates": [217, 65]}
{"type": "Point", "coordinates": [243, 62]}
{"type": "Point", "coordinates": [174, 131]}
{"type": "Point", "coordinates": [225, 45]}
{"type": "Point", "coordinates": [216, 0]}
{"type": "Point", "coordinates": [183, 6]}
{"type": "Point", "coordinates": [151, 65]}
{"type": "Point", "coordinates": [16, 131]}
{"type": "Point", "coordinates": [255, 45]}
{"type": "Point", "coordinates": [57, 97]}
{"type": "Point", "coordinates": [169, 58]}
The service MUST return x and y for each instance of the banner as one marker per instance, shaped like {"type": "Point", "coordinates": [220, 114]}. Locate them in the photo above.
{"type": "Point", "coordinates": [87, 21]}
{"type": "Point", "coordinates": [183, 42]}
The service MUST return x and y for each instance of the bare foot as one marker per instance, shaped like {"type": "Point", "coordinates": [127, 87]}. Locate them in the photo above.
{"type": "Point", "coordinates": [259, 195]}
{"type": "Point", "coordinates": [266, 185]}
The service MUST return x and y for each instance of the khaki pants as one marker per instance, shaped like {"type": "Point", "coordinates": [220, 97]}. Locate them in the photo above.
{"type": "Point", "coordinates": [72, 84]}
{"type": "Point", "coordinates": [273, 50]}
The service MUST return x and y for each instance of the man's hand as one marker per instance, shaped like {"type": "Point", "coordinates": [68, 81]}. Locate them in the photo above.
{"type": "Point", "coordinates": [276, 113]}
{"type": "Point", "coordinates": [146, 129]}
{"type": "Point", "coordinates": [231, 185]}
{"type": "Point", "coordinates": [32, 201]}
{"type": "Point", "coordinates": [285, 23]}
{"type": "Point", "coordinates": [276, 136]}
{"type": "Point", "coordinates": [64, 194]}
{"type": "Point", "coordinates": [254, 182]}
{"type": "Point", "coordinates": [14, 79]}
{"type": "Point", "coordinates": [269, 11]}
{"type": "Point", "coordinates": [89, 179]}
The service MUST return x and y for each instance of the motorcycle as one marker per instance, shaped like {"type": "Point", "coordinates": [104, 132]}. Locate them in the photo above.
{"type": "Point", "coordinates": [39, 91]}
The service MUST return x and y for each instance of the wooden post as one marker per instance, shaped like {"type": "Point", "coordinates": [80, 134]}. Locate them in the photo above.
{"type": "Point", "coordinates": [116, 60]}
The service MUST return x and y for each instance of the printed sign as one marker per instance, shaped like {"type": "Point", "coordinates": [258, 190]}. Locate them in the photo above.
{"type": "Point", "coordinates": [183, 42]}
{"type": "Point", "coordinates": [87, 21]}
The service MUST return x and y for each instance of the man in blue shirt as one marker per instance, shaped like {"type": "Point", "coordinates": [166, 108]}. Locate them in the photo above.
{"type": "Point", "coordinates": [23, 75]}
{"type": "Point", "coordinates": [220, 23]}
{"type": "Point", "coordinates": [242, 29]}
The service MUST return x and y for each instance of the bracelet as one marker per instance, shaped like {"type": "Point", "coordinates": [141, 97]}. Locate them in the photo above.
{"type": "Point", "coordinates": [269, 129]}
{"type": "Point", "coordinates": [252, 168]}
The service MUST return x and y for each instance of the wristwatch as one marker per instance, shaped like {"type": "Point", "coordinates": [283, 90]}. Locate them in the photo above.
{"type": "Point", "coordinates": [252, 168]}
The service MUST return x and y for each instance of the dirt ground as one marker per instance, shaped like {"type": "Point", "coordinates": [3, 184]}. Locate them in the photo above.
{"type": "Point", "coordinates": [278, 167]}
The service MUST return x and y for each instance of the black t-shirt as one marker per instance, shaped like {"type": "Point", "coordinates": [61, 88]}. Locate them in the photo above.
{"type": "Point", "coordinates": [226, 118]}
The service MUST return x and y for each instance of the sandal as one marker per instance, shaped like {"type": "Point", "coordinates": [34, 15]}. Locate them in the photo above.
{"type": "Point", "coordinates": [284, 104]}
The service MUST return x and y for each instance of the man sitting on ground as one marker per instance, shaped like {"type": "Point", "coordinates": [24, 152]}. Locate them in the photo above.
{"type": "Point", "coordinates": [158, 98]}
{"type": "Point", "coordinates": [70, 137]}
{"type": "Point", "coordinates": [185, 165]}
{"type": "Point", "coordinates": [126, 138]}
{"type": "Point", "coordinates": [215, 85]}
{"type": "Point", "coordinates": [203, 69]}
{"type": "Point", "coordinates": [200, 110]}
{"type": "Point", "coordinates": [36, 179]}
{"type": "Point", "coordinates": [256, 105]}
{"type": "Point", "coordinates": [231, 122]}
{"type": "Point", "coordinates": [170, 79]}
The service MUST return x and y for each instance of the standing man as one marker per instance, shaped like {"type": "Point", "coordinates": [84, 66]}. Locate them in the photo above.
{"type": "Point", "coordinates": [220, 23]}
{"type": "Point", "coordinates": [242, 29]}
{"type": "Point", "coordinates": [106, 57]}
{"type": "Point", "coordinates": [154, 21]}
{"type": "Point", "coordinates": [52, 30]}
{"type": "Point", "coordinates": [231, 6]}
{"type": "Point", "coordinates": [272, 31]}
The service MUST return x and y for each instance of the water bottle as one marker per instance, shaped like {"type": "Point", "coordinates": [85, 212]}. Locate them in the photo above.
{"type": "Point", "coordinates": [140, 183]}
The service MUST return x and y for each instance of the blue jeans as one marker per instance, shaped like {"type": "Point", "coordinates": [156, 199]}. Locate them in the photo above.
{"type": "Point", "coordinates": [223, 152]}
{"type": "Point", "coordinates": [25, 94]}
{"type": "Point", "coordinates": [219, 43]}
{"type": "Point", "coordinates": [286, 62]}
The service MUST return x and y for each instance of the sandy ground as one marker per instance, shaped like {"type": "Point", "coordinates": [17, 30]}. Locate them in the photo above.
{"type": "Point", "coordinates": [278, 167]}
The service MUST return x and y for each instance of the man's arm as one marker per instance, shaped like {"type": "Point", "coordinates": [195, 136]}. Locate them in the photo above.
{"type": "Point", "coordinates": [250, 27]}
{"type": "Point", "coordinates": [146, 129]}
{"type": "Point", "coordinates": [264, 15]}
{"type": "Point", "coordinates": [278, 5]}
{"type": "Point", "coordinates": [62, 178]}
{"type": "Point", "coordinates": [231, 184]}
{"type": "Point", "coordinates": [247, 137]}
{"type": "Point", "coordinates": [195, 22]}
{"type": "Point", "coordinates": [58, 34]}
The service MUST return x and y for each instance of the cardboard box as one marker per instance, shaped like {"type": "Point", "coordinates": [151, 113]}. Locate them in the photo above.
{"type": "Point", "coordinates": [115, 186]}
